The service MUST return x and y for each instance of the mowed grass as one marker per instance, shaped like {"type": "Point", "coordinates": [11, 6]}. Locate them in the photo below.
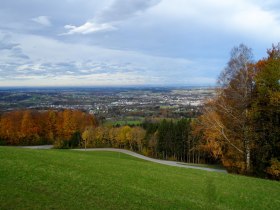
{"type": "Point", "coordinates": [65, 179]}
{"type": "Point", "coordinates": [203, 165]}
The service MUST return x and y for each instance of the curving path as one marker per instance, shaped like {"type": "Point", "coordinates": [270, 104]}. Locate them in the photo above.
{"type": "Point", "coordinates": [37, 147]}
{"type": "Point", "coordinates": [165, 162]}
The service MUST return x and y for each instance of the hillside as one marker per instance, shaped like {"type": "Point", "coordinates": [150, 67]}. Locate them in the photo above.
{"type": "Point", "coordinates": [63, 179]}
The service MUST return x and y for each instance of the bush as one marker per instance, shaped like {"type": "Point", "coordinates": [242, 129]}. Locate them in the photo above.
{"type": "Point", "coordinates": [60, 144]}
{"type": "Point", "coordinates": [274, 169]}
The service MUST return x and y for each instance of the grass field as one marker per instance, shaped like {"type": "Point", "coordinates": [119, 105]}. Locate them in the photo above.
{"type": "Point", "coordinates": [64, 179]}
{"type": "Point", "coordinates": [204, 165]}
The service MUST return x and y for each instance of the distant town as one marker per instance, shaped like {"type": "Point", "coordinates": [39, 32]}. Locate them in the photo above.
{"type": "Point", "coordinates": [110, 103]}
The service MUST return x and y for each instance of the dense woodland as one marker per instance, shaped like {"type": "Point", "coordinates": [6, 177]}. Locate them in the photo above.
{"type": "Point", "coordinates": [239, 128]}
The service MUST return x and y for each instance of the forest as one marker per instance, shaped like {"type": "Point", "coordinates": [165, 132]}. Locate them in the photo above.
{"type": "Point", "coordinates": [239, 127]}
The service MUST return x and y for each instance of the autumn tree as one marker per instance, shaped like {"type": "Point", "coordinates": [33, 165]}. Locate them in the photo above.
{"type": "Point", "coordinates": [49, 128]}
{"type": "Point", "coordinates": [124, 137]}
{"type": "Point", "coordinates": [137, 138]}
{"type": "Point", "coordinates": [29, 128]}
{"type": "Point", "coordinates": [37, 127]}
{"type": "Point", "coordinates": [88, 136]}
{"type": "Point", "coordinates": [207, 135]}
{"type": "Point", "coordinates": [241, 125]}
{"type": "Point", "coordinates": [10, 126]}
{"type": "Point", "coordinates": [227, 116]}
{"type": "Point", "coordinates": [266, 114]}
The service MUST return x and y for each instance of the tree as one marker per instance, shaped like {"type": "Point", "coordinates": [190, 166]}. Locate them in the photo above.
{"type": "Point", "coordinates": [207, 134]}
{"type": "Point", "coordinates": [29, 128]}
{"type": "Point", "coordinates": [242, 123]}
{"type": "Point", "coordinates": [137, 137]}
{"type": "Point", "coordinates": [266, 113]}
{"type": "Point", "coordinates": [124, 137]}
{"type": "Point", "coordinates": [87, 136]}
{"type": "Point", "coordinates": [49, 125]}
{"type": "Point", "coordinates": [229, 111]}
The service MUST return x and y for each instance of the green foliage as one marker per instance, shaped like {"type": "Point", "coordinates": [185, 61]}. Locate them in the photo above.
{"type": "Point", "coordinates": [174, 140]}
{"type": "Point", "coordinates": [74, 142]}
{"type": "Point", "coordinates": [60, 144]}
{"type": "Point", "coordinates": [126, 122]}
{"type": "Point", "coordinates": [266, 113]}
{"type": "Point", "coordinates": [64, 179]}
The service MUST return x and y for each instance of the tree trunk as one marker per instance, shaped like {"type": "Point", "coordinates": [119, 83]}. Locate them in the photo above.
{"type": "Point", "coordinates": [248, 156]}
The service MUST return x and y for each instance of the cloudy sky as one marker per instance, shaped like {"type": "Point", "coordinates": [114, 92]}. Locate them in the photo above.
{"type": "Point", "coordinates": [128, 42]}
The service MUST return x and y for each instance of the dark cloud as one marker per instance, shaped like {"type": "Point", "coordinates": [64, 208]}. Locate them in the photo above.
{"type": "Point", "coordinates": [6, 44]}
{"type": "Point", "coordinates": [17, 53]}
{"type": "Point", "coordinates": [12, 49]}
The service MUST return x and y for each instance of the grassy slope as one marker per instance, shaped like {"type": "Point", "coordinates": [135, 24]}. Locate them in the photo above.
{"type": "Point", "coordinates": [63, 179]}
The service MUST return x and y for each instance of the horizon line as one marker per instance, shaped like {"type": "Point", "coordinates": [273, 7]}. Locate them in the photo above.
{"type": "Point", "coordinates": [107, 86]}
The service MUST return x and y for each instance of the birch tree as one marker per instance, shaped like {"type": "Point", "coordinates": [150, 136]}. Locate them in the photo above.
{"type": "Point", "coordinates": [228, 113]}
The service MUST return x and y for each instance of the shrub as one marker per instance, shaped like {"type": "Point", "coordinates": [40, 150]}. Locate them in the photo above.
{"type": "Point", "coordinates": [274, 169]}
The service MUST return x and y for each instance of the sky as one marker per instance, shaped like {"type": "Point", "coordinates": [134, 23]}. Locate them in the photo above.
{"type": "Point", "coordinates": [129, 42]}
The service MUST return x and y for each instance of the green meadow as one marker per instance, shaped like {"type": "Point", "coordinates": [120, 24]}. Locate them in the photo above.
{"type": "Point", "coordinates": [65, 179]}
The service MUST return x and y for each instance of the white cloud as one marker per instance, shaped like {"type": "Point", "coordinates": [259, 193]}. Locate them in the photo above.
{"type": "Point", "coordinates": [256, 21]}
{"type": "Point", "coordinates": [91, 65]}
{"type": "Point", "coordinates": [178, 41]}
{"type": "Point", "coordinates": [88, 27]}
{"type": "Point", "coordinates": [250, 18]}
{"type": "Point", "coordinates": [107, 19]}
{"type": "Point", "coordinates": [43, 20]}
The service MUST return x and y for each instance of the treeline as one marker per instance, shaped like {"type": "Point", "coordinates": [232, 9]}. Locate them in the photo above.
{"type": "Point", "coordinates": [166, 139]}
{"type": "Point", "coordinates": [28, 127]}
{"type": "Point", "coordinates": [241, 125]}
{"type": "Point", "coordinates": [174, 140]}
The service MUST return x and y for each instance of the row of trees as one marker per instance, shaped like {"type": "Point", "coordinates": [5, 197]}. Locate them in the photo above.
{"type": "Point", "coordinates": [166, 139]}
{"type": "Point", "coordinates": [29, 127]}
{"type": "Point", "coordinates": [241, 125]}
{"type": "Point", "coordinates": [124, 137]}
{"type": "Point", "coordinates": [71, 128]}
{"type": "Point", "coordinates": [174, 140]}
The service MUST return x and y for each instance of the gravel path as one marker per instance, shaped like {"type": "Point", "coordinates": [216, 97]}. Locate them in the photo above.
{"type": "Point", "coordinates": [165, 162]}
{"type": "Point", "coordinates": [37, 147]}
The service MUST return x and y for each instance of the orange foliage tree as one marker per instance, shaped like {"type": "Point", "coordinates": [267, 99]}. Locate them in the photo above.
{"type": "Point", "coordinates": [28, 127]}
